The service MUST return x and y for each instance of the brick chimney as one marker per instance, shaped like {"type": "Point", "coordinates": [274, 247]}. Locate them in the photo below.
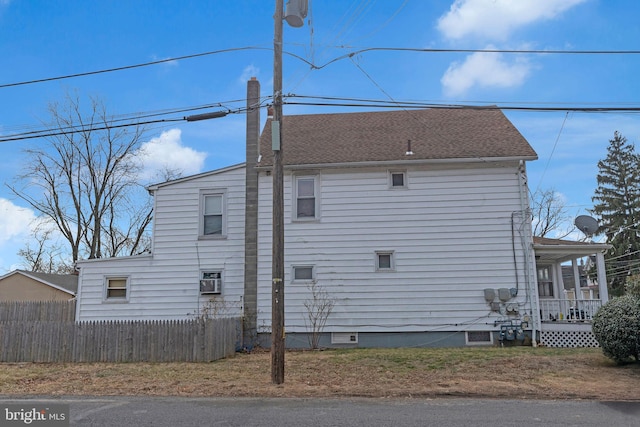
{"type": "Point", "coordinates": [249, 335]}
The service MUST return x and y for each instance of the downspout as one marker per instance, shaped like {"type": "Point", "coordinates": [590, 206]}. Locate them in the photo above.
{"type": "Point", "coordinates": [78, 292]}
{"type": "Point", "coordinates": [527, 243]}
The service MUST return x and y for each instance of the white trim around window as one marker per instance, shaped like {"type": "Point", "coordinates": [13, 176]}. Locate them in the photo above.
{"type": "Point", "coordinates": [397, 179]}
{"type": "Point", "coordinates": [213, 214]}
{"type": "Point", "coordinates": [303, 273]}
{"type": "Point", "coordinates": [116, 289]}
{"type": "Point", "coordinates": [306, 201]}
{"type": "Point", "coordinates": [478, 338]}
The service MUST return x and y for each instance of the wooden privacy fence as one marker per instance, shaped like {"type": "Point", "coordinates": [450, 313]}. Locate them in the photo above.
{"type": "Point", "coordinates": [199, 340]}
{"type": "Point", "coordinates": [43, 311]}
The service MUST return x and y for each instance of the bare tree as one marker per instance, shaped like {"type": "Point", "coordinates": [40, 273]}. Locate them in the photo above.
{"type": "Point", "coordinates": [319, 307]}
{"type": "Point", "coordinates": [550, 215]}
{"type": "Point", "coordinates": [85, 182]}
{"type": "Point", "coordinates": [45, 256]}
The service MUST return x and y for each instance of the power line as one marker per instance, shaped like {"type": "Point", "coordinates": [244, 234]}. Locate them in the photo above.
{"type": "Point", "coordinates": [555, 145]}
{"type": "Point", "coordinates": [373, 103]}
{"type": "Point", "coordinates": [126, 67]}
{"type": "Point", "coordinates": [121, 118]}
{"type": "Point", "coordinates": [331, 102]}
{"type": "Point", "coordinates": [319, 67]}
{"type": "Point", "coordinates": [131, 119]}
{"type": "Point", "coordinates": [68, 130]}
{"type": "Point", "coordinates": [504, 51]}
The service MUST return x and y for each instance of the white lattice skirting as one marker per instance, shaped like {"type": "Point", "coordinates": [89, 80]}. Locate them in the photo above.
{"type": "Point", "coordinates": [568, 339]}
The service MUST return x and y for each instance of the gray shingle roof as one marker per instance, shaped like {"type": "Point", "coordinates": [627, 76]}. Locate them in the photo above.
{"type": "Point", "coordinates": [440, 133]}
{"type": "Point", "coordinates": [65, 281]}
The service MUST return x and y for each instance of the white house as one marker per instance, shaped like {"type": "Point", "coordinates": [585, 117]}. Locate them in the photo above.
{"type": "Point", "coordinates": [414, 224]}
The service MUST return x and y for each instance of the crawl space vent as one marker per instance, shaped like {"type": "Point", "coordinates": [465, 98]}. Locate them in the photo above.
{"type": "Point", "coordinates": [344, 338]}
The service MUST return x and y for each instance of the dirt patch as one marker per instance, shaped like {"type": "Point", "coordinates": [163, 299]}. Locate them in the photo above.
{"type": "Point", "coordinates": [521, 372]}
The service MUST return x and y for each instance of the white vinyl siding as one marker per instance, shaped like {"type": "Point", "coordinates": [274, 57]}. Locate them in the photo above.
{"type": "Point", "coordinates": [166, 285]}
{"type": "Point", "coordinates": [452, 228]}
{"type": "Point", "coordinates": [449, 231]}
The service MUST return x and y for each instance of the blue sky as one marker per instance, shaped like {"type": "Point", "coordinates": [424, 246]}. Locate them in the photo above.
{"type": "Point", "coordinates": [41, 39]}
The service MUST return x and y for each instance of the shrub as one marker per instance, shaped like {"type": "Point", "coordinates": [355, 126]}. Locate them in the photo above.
{"type": "Point", "coordinates": [616, 327]}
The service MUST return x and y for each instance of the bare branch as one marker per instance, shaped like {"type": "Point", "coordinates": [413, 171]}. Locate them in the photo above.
{"type": "Point", "coordinates": [550, 215]}
{"type": "Point", "coordinates": [86, 183]}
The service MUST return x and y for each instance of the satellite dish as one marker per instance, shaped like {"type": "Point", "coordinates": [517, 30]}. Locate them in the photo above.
{"type": "Point", "coordinates": [587, 224]}
{"type": "Point", "coordinates": [295, 11]}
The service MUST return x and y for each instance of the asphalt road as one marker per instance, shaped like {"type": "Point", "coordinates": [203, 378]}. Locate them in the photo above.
{"type": "Point", "coordinates": [447, 412]}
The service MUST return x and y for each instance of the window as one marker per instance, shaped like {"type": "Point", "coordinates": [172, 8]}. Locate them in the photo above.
{"type": "Point", "coordinates": [479, 337]}
{"type": "Point", "coordinates": [384, 261]}
{"type": "Point", "coordinates": [397, 179]}
{"type": "Point", "coordinates": [117, 288]}
{"type": "Point", "coordinates": [303, 273]}
{"type": "Point", "coordinates": [211, 282]}
{"type": "Point", "coordinates": [306, 204]}
{"type": "Point", "coordinates": [213, 215]}
{"type": "Point", "coordinates": [545, 282]}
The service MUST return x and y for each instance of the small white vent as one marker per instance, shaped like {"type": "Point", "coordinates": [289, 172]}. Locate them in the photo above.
{"type": "Point", "coordinates": [344, 338]}
{"type": "Point", "coordinates": [210, 286]}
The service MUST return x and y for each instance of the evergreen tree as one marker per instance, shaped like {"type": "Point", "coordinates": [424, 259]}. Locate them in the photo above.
{"type": "Point", "coordinates": [617, 204]}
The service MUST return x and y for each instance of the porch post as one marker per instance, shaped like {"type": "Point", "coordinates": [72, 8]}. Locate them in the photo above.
{"type": "Point", "coordinates": [576, 279]}
{"type": "Point", "coordinates": [559, 282]}
{"type": "Point", "coordinates": [559, 294]}
{"type": "Point", "coordinates": [602, 278]}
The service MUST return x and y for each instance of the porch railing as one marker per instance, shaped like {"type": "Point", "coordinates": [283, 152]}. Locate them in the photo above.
{"type": "Point", "coordinates": [566, 310]}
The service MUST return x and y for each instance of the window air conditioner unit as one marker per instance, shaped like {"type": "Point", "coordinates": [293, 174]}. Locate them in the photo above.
{"type": "Point", "coordinates": [210, 286]}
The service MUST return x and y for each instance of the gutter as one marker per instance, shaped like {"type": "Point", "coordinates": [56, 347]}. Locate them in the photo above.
{"type": "Point", "coordinates": [370, 163]}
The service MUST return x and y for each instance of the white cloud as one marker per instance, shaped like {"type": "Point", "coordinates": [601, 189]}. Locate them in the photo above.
{"type": "Point", "coordinates": [248, 72]}
{"type": "Point", "coordinates": [497, 19]}
{"type": "Point", "coordinates": [487, 70]}
{"type": "Point", "coordinates": [167, 152]}
{"type": "Point", "coordinates": [15, 221]}
{"type": "Point", "coordinates": [16, 228]}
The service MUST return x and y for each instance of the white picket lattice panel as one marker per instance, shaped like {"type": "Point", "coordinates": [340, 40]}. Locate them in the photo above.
{"type": "Point", "coordinates": [568, 339]}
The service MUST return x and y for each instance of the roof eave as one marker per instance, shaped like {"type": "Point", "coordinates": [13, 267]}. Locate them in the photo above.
{"type": "Point", "coordinates": [153, 187]}
{"type": "Point", "coordinates": [402, 162]}
{"type": "Point", "coordinates": [587, 247]}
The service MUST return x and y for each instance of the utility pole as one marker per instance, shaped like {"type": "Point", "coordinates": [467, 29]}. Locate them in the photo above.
{"type": "Point", "coordinates": [277, 267]}
{"type": "Point", "coordinates": [295, 18]}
